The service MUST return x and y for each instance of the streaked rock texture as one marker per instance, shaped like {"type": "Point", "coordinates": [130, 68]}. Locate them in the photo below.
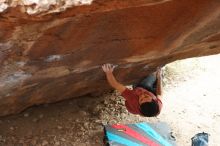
{"type": "Point", "coordinates": [54, 52]}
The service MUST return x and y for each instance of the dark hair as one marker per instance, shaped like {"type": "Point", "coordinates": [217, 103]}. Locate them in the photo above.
{"type": "Point", "coordinates": [149, 109]}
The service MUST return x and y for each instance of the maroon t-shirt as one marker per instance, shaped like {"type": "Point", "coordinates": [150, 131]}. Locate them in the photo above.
{"type": "Point", "coordinates": [132, 99]}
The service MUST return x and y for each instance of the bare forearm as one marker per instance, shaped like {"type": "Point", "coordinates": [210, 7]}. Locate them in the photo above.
{"type": "Point", "coordinates": [108, 69]}
{"type": "Point", "coordinates": [114, 83]}
{"type": "Point", "coordinates": [159, 85]}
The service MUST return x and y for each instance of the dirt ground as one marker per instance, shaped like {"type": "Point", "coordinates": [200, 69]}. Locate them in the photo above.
{"type": "Point", "coordinates": [191, 105]}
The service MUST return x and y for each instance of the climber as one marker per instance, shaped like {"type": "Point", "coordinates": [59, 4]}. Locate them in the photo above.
{"type": "Point", "coordinates": [145, 97]}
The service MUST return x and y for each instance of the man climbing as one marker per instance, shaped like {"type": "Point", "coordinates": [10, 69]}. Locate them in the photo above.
{"type": "Point", "coordinates": [145, 98]}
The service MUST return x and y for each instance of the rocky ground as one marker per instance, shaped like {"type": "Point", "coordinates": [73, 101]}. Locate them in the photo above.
{"type": "Point", "coordinates": [191, 105]}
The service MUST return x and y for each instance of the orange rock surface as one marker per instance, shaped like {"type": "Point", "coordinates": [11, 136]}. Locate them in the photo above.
{"type": "Point", "coordinates": [51, 56]}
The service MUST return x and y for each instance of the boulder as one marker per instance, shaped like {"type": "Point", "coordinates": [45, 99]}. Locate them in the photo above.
{"type": "Point", "coordinates": [54, 51]}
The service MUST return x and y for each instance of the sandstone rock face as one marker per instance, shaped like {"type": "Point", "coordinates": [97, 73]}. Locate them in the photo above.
{"type": "Point", "coordinates": [55, 51]}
